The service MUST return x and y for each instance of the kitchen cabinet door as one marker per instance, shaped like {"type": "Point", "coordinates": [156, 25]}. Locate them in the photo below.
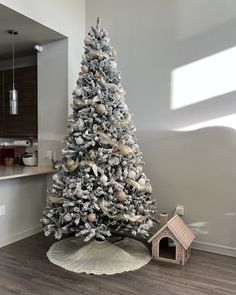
{"type": "Point", "coordinates": [1, 104]}
{"type": "Point", "coordinates": [24, 124]}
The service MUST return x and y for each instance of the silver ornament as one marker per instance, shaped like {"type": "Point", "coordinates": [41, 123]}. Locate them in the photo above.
{"type": "Point", "coordinates": [78, 91]}
{"type": "Point", "coordinates": [79, 140]}
{"type": "Point", "coordinates": [55, 177]}
{"type": "Point", "coordinates": [132, 174]}
{"type": "Point", "coordinates": [68, 217]}
{"type": "Point", "coordinates": [142, 181]}
{"type": "Point", "coordinates": [113, 64]}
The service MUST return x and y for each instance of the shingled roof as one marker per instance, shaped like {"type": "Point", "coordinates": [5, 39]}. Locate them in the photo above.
{"type": "Point", "coordinates": [179, 229]}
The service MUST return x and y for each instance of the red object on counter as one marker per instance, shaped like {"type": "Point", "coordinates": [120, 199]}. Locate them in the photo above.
{"type": "Point", "coordinates": [6, 153]}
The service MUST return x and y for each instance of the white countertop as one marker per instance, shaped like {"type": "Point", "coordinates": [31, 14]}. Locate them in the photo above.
{"type": "Point", "coordinates": [22, 171]}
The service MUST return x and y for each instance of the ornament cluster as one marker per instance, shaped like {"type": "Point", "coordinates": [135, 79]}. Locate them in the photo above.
{"type": "Point", "coordinates": [100, 186]}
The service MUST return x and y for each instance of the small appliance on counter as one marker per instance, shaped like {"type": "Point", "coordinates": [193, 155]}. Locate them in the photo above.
{"type": "Point", "coordinates": [6, 153]}
{"type": "Point", "coordinates": [30, 159]}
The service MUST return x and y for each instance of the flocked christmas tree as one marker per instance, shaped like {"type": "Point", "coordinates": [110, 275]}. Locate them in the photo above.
{"type": "Point", "coordinates": [100, 186]}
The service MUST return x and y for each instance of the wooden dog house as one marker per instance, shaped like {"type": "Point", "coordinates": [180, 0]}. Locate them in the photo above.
{"type": "Point", "coordinates": [172, 242]}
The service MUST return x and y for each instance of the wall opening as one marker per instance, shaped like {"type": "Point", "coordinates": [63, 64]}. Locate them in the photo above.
{"type": "Point", "coordinates": [167, 248]}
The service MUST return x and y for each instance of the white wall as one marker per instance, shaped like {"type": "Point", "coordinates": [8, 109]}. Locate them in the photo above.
{"type": "Point", "coordinates": [52, 98]}
{"type": "Point", "coordinates": [197, 168]}
{"type": "Point", "coordinates": [24, 204]}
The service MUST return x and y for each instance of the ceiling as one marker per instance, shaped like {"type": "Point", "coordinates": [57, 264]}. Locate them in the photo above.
{"type": "Point", "coordinates": [30, 34]}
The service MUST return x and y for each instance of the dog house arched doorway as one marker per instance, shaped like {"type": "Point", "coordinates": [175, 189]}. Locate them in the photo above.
{"type": "Point", "coordinates": [167, 248]}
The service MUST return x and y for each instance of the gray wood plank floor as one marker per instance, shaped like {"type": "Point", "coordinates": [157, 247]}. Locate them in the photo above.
{"type": "Point", "coordinates": [25, 270]}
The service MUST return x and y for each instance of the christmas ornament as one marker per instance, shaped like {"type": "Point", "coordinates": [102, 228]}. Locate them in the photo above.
{"type": "Point", "coordinates": [68, 217]}
{"type": "Point", "coordinates": [79, 140]}
{"type": "Point", "coordinates": [113, 53]}
{"type": "Point", "coordinates": [101, 109]}
{"type": "Point", "coordinates": [124, 150]}
{"type": "Point", "coordinates": [85, 69]}
{"type": "Point", "coordinates": [103, 178]}
{"type": "Point", "coordinates": [121, 196]}
{"type": "Point", "coordinates": [141, 181]}
{"type": "Point", "coordinates": [92, 217]}
{"type": "Point", "coordinates": [132, 174]}
{"type": "Point", "coordinates": [97, 75]}
{"type": "Point", "coordinates": [140, 209]}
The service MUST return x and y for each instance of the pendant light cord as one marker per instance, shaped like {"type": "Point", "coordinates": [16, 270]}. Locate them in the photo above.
{"type": "Point", "coordinates": [13, 60]}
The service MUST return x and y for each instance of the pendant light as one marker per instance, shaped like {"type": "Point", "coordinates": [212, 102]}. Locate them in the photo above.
{"type": "Point", "coordinates": [13, 93]}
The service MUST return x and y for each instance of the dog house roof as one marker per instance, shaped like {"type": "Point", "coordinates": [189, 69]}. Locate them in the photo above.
{"type": "Point", "coordinates": [179, 229]}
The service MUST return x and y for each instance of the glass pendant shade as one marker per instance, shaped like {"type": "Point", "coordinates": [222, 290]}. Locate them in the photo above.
{"type": "Point", "coordinates": [13, 93]}
{"type": "Point", "coordinates": [13, 102]}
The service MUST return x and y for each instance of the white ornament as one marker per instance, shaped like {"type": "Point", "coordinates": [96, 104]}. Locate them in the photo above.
{"type": "Point", "coordinates": [132, 174]}
{"type": "Point", "coordinates": [55, 177]}
{"type": "Point", "coordinates": [80, 124]}
{"type": "Point", "coordinates": [113, 64]}
{"type": "Point", "coordinates": [78, 91]}
{"type": "Point", "coordinates": [79, 140]}
{"type": "Point", "coordinates": [142, 181]}
{"type": "Point", "coordinates": [103, 178]}
{"type": "Point", "coordinates": [68, 217]}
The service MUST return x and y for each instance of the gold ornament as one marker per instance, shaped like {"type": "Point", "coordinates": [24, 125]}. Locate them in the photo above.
{"type": "Point", "coordinates": [85, 68]}
{"type": "Point", "coordinates": [121, 196]}
{"type": "Point", "coordinates": [124, 150]}
{"type": "Point", "coordinates": [113, 53]}
{"type": "Point", "coordinates": [101, 109]}
{"type": "Point", "coordinates": [141, 209]}
{"type": "Point", "coordinates": [121, 91]}
{"type": "Point", "coordinates": [97, 75]}
{"type": "Point", "coordinates": [92, 217]}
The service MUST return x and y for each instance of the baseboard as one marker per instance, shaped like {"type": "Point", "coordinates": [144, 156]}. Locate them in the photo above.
{"type": "Point", "coordinates": [219, 249]}
{"type": "Point", "coordinates": [19, 236]}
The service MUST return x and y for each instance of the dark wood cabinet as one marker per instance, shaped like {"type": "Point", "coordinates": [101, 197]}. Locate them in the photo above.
{"type": "Point", "coordinates": [25, 124]}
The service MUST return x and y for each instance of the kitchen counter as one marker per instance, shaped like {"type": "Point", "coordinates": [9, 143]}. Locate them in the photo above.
{"type": "Point", "coordinates": [22, 171]}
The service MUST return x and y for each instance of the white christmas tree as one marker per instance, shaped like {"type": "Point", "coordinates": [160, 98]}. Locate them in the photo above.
{"type": "Point", "coordinates": [100, 186]}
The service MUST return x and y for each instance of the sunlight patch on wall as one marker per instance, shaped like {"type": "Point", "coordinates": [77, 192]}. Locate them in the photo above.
{"type": "Point", "coordinates": [206, 78]}
{"type": "Point", "coordinates": [226, 121]}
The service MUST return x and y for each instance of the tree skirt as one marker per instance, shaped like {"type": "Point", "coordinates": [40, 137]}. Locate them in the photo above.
{"type": "Point", "coordinates": [97, 257]}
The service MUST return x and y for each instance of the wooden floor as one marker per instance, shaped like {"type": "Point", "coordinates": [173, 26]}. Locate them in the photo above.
{"type": "Point", "coordinates": [25, 270]}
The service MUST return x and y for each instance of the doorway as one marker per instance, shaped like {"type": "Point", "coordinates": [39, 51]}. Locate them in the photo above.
{"type": "Point", "coordinates": [167, 248]}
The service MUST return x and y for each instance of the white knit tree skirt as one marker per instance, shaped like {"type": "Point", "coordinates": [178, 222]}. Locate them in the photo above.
{"type": "Point", "coordinates": [97, 257]}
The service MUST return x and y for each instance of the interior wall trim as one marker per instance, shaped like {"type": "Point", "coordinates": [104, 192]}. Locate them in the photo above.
{"type": "Point", "coordinates": [215, 248]}
{"type": "Point", "coordinates": [19, 236]}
